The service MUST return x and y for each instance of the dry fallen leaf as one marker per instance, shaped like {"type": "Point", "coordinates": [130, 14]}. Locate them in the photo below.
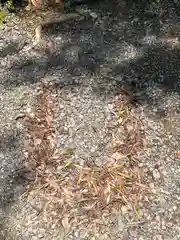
{"type": "Point", "coordinates": [80, 188]}
{"type": "Point", "coordinates": [65, 223]}
{"type": "Point", "coordinates": [108, 199]}
{"type": "Point", "coordinates": [51, 141]}
{"type": "Point", "coordinates": [178, 153]}
{"type": "Point", "coordinates": [137, 210]}
{"type": "Point", "coordinates": [49, 120]}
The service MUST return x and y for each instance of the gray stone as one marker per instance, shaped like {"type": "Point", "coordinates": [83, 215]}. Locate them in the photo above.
{"type": "Point", "coordinates": [156, 174]}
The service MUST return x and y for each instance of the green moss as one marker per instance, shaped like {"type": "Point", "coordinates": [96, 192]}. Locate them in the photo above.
{"type": "Point", "coordinates": [2, 16]}
{"type": "Point", "coordinates": [9, 5]}
{"type": "Point", "coordinates": [68, 152]}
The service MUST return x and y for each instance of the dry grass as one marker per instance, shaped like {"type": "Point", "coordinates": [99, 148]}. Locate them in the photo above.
{"type": "Point", "coordinates": [78, 188]}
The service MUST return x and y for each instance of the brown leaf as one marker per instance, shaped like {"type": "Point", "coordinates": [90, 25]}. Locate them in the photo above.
{"type": "Point", "coordinates": [121, 183]}
{"type": "Point", "coordinates": [108, 198]}
{"type": "Point", "coordinates": [52, 141]}
{"type": "Point", "coordinates": [49, 119]}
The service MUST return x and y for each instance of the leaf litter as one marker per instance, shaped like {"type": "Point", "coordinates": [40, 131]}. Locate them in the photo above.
{"type": "Point", "coordinates": [79, 191]}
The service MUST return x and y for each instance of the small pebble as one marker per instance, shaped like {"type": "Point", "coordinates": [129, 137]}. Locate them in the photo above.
{"type": "Point", "coordinates": [174, 208]}
{"type": "Point", "coordinates": [40, 235]}
{"type": "Point", "coordinates": [140, 165]}
{"type": "Point", "coordinates": [158, 237]}
{"type": "Point", "coordinates": [156, 174]}
{"type": "Point", "coordinates": [93, 15]}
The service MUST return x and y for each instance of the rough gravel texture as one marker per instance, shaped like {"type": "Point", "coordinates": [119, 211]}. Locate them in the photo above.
{"type": "Point", "coordinates": [89, 61]}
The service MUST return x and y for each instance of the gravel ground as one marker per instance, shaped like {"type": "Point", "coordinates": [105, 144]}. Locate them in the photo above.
{"type": "Point", "coordinates": [89, 62]}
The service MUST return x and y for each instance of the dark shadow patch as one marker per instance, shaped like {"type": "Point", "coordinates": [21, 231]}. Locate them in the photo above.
{"type": "Point", "coordinates": [13, 186]}
{"type": "Point", "coordinates": [94, 44]}
{"type": "Point", "coordinates": [159, 67]}
{"type": "Point", "coordinates": [9, 49]}
{"type": "Point", "coordinates": [14, 175]}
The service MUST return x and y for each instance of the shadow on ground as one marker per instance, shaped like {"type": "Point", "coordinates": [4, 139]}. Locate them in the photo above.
{"type": "Point", "coordinates": [14, 175]}
{"type": "Point", "coordinates": [113, 47]}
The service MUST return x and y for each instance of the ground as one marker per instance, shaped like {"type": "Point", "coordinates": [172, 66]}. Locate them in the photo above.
{"type": "Point", "coordinates": [94, 65]}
